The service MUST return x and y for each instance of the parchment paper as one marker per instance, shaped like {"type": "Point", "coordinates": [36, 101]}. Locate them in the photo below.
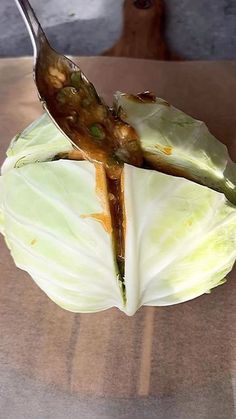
{"type": "Point", "coordinates": [175, 362]}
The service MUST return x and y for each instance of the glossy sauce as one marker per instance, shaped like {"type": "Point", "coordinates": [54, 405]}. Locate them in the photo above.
{"type": "Point", "coordinates": [101, 190]}
{"type": "Point", "coordinates": [143, 97]}
{"type": "Point", "coordinates": [116, 207]}
{"type": "Point", "coordinates": [101, 136]}
{"type": "Point", "coordinates": [98, 133]}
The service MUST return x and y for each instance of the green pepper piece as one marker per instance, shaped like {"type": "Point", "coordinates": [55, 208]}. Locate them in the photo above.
{"type": "Point", "coordinates": [76, 79]}
{"type": "Point", "coordinates": [97, 131]}
{"type": "Point", "coordinates": [67, 95]}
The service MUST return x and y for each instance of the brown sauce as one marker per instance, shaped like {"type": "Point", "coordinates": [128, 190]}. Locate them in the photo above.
{"type": "Point", "coordinates": [143, 97]}
{"type": "Point", "coordinates": [98, 133]}
{"type": "Point", "coordinates": [104, 217]}
{"type": "Point", "coordinates": [116, 209]}
{"type": "Point", "coordinates": [99, 136]}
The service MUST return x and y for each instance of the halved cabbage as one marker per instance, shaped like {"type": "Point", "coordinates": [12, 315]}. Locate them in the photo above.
{"type": "Point", "coordinates": [52, 232]}
{"type": "Point", "coordinates": [180, 237]}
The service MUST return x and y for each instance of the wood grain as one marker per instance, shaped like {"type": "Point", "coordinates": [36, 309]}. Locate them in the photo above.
{"type": "Point", "coordinates": [143, 34]}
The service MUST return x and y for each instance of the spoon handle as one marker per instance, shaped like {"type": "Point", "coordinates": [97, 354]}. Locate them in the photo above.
{"type": "Point", "coordinates": [37, 35]}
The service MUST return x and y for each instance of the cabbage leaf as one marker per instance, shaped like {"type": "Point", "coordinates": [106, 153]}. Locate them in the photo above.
{"type": "Point", "coordinates": [51, 231]}
{"type": "Point", "coordinates": [180, 238]}
{"type": "Point", "coordinates": [41, 141]}
{"type": "Point", "coordinates": [176, 143]}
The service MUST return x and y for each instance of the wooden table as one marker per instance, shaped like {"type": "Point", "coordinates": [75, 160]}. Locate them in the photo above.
{"type": "Point", "coordinates": [172, 363]}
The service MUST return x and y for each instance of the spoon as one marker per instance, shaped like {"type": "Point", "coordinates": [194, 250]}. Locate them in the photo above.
{"type": "Point", "coordinates": [73, 104]}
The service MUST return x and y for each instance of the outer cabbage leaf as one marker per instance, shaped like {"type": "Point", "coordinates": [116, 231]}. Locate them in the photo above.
{"type": "Point", "coordinates": [51, 231]}
{"type": "Point", "coordinates": [40, 141]}
{"type": "Point", "coordinates": [180, 238]}
{"type": "Point", "coordinates": [175, 143]}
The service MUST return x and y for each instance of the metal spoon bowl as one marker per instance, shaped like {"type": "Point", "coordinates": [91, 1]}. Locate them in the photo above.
{"type": "Point", "coordinates": [73, 104]}
{"type": "Point", "coordinates": [51, 70]}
